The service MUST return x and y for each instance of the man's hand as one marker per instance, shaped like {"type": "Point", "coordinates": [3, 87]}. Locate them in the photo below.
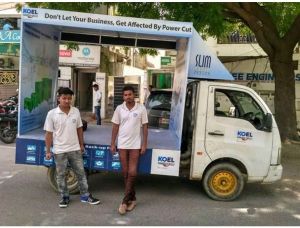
{"type": "Point", "coordinates": [48, 155]}
{"type": "Point", "coordinates": [113, 148]}
{"type": "Point", "coordinates": [143, 149]}
{"type": "Point", "coordinates": [82, 149]}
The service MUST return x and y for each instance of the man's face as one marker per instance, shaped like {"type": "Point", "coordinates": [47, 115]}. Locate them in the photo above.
{"type": "Point", "coordinates": [65, 100]}
{"type": "Point", "coordinates": [96, 88]}
{"type": "Point", "coordinates": [128, 96]}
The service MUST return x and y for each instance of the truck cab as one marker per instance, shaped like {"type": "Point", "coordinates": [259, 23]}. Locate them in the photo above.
{"type": "Point", "coordinates": [231, 137]}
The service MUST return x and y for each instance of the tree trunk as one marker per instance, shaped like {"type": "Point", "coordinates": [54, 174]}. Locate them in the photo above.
{"type": "Point", "coordinates": [285, 111]}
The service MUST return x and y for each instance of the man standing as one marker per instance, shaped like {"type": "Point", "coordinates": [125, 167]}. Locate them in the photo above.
{"type": "Point", "coordinates": [129, 120]}
{"type": "Point", "coordinates": [63, 128]}
{"type": "Point", "coordinates": [97, 103]}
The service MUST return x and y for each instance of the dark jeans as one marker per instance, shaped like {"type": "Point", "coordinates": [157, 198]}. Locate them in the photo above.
{"type": "Point", "coordinates": [98, 114]}
{"type": "Point", "coordinates": [129, 161]}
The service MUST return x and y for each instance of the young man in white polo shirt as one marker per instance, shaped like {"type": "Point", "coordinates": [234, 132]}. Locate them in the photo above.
{"type": "Point", "coordinates": [129, 121]}
{"type": "Point", "coordinates": [63, 128]}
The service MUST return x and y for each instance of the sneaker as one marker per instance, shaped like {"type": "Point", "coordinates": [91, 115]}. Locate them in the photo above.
{"type": "Point", "coordinates": [63, 203]}
{"type": "Point", "coordinates": [131, 205]}
{"type": "Point", "coordinates": [89, 199]}
{"type": "Point", "coordinates": [122, 209]}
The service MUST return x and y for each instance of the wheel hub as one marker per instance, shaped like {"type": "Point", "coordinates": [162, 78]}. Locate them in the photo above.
{"type": "Point", "coordinates": [223, 183]}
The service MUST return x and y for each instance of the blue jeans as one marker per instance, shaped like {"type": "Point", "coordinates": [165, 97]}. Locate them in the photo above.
{"type": "Point", "coordinates": [98, 114]}
{"type": "Point", "coordinates": [75, 160]}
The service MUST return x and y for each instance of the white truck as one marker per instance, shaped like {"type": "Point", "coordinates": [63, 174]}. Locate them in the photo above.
{"type": "Point", "coordinates": [229, 138]}
{"type": "Point", "coordinates": [219, 132]}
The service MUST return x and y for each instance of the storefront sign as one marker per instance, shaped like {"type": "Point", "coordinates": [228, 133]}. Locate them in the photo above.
{"type": "Point", "coordinates": [10, 36]}
{"type": "Point", "coordinates": [258, 76]}
{"type": "Point", "coordinates": [86, 55]}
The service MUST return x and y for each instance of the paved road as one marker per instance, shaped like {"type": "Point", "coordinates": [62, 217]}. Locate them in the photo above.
{"type": "Point", "coordinates": [27, 199]}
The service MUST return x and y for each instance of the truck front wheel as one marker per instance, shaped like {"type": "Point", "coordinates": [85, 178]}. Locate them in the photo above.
{"type": "Point", "coordinates": [223, 182]}
{"type": "Point", "coordinates": [71, 179]}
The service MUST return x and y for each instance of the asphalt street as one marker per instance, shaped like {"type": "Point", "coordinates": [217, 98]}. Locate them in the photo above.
{"type": "Point", "coordinates": [27, 199]}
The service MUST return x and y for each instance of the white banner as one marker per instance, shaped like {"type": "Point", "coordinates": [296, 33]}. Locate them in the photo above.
{"type": "Point", "coordinates": [105, 22]}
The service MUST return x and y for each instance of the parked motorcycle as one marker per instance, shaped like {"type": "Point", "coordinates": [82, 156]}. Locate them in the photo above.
{"type": "Point", "coordinates": [8, 127]}
{"type": "Point", "coordinates": [8, 119]}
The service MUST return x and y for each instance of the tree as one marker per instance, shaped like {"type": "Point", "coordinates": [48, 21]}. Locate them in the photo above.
{"type": "Point", "coordinates": [275, 25]}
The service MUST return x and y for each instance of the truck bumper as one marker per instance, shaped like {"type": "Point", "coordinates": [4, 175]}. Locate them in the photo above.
{"type": "Point", "coordinates": [274, 174]}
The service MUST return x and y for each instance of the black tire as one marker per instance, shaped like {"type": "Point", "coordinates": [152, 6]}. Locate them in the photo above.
{"type": "Point", "coordinates": [8, 136]}
{"type": "Point", "coordinates": [72, 181]}
{"type": "Point", "coordinates": [223, 182]}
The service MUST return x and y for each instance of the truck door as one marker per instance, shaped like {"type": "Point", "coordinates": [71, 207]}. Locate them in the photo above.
{"type": "Point", "coordinates": [234, 129]}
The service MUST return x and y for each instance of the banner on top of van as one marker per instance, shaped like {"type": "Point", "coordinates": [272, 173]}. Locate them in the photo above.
{"type": "Point", "coordinates": [203, 63]}
{"type": "Point", "coordinates": [106, 22]}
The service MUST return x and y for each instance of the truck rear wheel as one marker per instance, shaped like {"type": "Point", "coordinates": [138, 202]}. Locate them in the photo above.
{"type": "Point", "coordinates": [72, 181]}
{"type": "Point", "coordinates": [223, 182]}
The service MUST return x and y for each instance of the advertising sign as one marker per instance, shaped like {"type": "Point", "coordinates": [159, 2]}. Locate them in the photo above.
{"type": "Point", "coordinates": [165, 162]}
{"type": "Point", "coordinates": [39, 67]}
{"type": "Point", "coordinates": [204, 63]}
{"type": "Point", "coordinates": [10, 36]}
{"type": "Point", "coordinates": [106, 22]}
{"type": "Point", "coordinates": [86, 55]}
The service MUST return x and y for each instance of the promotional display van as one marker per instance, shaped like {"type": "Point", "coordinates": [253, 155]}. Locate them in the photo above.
{"type": "Point", "coordinates": [221, 133]}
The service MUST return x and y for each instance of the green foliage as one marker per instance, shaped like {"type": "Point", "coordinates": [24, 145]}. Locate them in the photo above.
{"type": "Point", "coordinates": [283, 14]}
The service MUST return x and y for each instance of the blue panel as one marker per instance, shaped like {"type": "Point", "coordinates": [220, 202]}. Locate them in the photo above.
{"type": "Point", "coordinates": [28, 151]}
{"type": "Point", "coordinates": [145, 162]}
{"type": "Point", "coordinates": [96, 157]}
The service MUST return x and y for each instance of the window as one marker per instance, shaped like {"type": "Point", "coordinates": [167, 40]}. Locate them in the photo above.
{"type": "Point", "coordinates": [236, 104]}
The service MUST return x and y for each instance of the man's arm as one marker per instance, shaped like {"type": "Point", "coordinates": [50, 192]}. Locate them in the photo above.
{"type": "Point", "coordinates": [115, 130]}
{"type": "Point", "coordinates": [48, 142]}
{"type": "Point", "coordinates": [80, 138]}
{"type": "Point", "coordinates": [145, 138]}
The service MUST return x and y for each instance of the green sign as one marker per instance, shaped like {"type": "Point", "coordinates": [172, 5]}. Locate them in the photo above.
{"type": "Point", "coordinates": [10, 49]}
{"type": "Point", "coordinates": [166, 60]}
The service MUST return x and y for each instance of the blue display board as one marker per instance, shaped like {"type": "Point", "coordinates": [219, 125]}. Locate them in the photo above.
{"type": "Point", "coordinates": [96, 157]}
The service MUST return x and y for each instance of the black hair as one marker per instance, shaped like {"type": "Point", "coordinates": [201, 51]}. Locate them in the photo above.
{"type": "Point", "coordinates": [128, 87]}
{"type": "Point", "coordinates": [64, 91]}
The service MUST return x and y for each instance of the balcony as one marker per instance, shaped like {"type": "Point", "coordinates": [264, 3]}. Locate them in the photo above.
{"type": "Point", "coordinates": [237, 38]}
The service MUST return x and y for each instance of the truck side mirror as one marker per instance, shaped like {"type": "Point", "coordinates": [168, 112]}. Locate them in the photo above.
{"type": "Point", "coordinates": [268, 122]}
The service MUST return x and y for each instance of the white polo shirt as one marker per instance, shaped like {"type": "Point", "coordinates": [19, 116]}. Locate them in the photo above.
{"type": "Point", "coordinates": [64, 128]}
{"type": "Point", "coordinates": [130, 125]}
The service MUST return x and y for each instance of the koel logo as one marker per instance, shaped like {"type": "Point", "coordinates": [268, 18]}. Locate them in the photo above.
{"type": "Point", "coordinates": [244, 135]}
{"type": "Point", "coordinates": [166, 161]}
{"type": "Point", "coordinates": [30, 12]}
